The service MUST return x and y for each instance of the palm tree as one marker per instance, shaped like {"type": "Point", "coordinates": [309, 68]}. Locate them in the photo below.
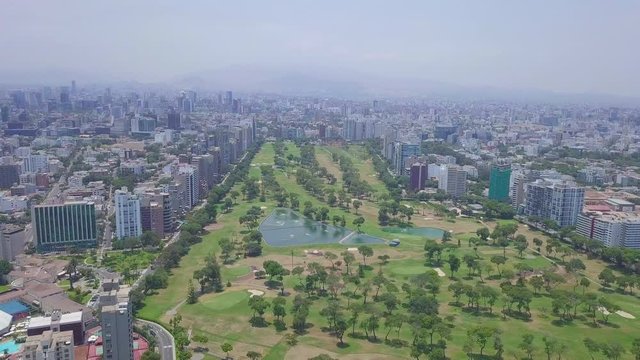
{"type": "Point", "coordinates": [71, 270]}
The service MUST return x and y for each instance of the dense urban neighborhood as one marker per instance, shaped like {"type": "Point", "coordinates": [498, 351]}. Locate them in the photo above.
{"type": "Point", "coordinates": [175, 223]}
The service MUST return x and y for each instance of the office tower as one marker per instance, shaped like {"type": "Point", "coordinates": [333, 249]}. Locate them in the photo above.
{"type": "Point", "coordinates": [73, 87]}
{"type": "Point", "coordinates": [453, 180]}
{"type": "Point", "coordinates": [186, 105]}
{"type": "Point", "coordinates": [236, 106]}
{"type": "Point", "coordinates": [62, 226]}
{"type": "Point", "coordinates": [173, 120]}
{"type": "Point", "coordinates": [64, 95]}
{"type": "Point", "coordinates": [9, 175]}
{"type": "Point", "coordinates": [116, 320]}
{"type": "Point", "coordinates": [205, 166]}
{"type": "Point", "coordinates": [48, 346]}
{"type": "Point", "coordinates": [35, 163]}
{"type": "Point", "coordinates": [444, 131]}
{"type": "Point", "coordinates": [500, 178]}
{"type": "Point", "coordinates": [12, 241]}
{"type": "Point", "coordinates": [127, 208]}
{"type": "Point", "coordinates": [559, 201]}
{"type": "Point", "coordinates": [401, 153]}
{"type": "Point", "coordinates": [228, 99]}
{"type": "Point", "coordinates": [4, 111]}
{"type": "Point", "coordinates": [418, 176]}
{"type": "Point", "coordinates": [143, 124]}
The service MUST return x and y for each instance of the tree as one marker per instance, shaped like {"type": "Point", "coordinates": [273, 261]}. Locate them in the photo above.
{"type": "Point", "coordinates": [365, 251]}
{"type": "Point", "coordinates": [228, 204]}
{"type": "Point", "coordinates": [483, 233]}
{"type": "Point", "coordinates": [226, 348]}
{"type": "Point", "coordinates": [259, 305]}
{"type": "Point", "coordinates": [339, 329]}
{"type": "Point", "coordinates": [551, 346]}
{"type": "Point", "coordinates": [358, 222]}
{"type": "Point", "coordinates": [575, 265]}
{"type": "Point", "coordinates": [149, 238]}
{"type": "Point", "coordinates": [273, 268]}
{"type": "Point", "coordinates": [253, 355]}
{"type": "Point", "coordinates": [498, 260]}
{"type": "Point", "coordinates": [348, 259]}
{"type": "Point", "coordinates": [537, 283]}
{"type": "Point", "coordinates": [454, 264]}
{"type": "Point", "coordinates": [527, 346]}
{"type": "Point", "coordinates": [71, 269]}
{"type": "Point", "coordinates": [607, 277]}
{"type": "Point", "coordinates": [356, 205]}
{"type": "Point", "coordinates": [150, 355]}
{"type": "Point", "coordinates": [592, 346]}
{"type": "Point", "coordinates": [613, 351]}
{"type": "Point", "coordinates": [480, 335]}
{"type": "Point", "coordinates": [6, 267]}
{"type": "Point", "coordinates": [538, 243]}
{"type": "Point", "coordinates": [192, 297]}
{"type": "Point", "coordinates": [234, 195]}
{"type": "Point", "coordinates": [635, 348]}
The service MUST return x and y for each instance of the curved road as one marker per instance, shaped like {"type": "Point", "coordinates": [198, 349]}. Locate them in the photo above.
{"type": "Point", "coordinates": [164, 340]}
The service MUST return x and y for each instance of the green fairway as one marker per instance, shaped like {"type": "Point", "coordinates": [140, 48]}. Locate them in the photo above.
{"type": "Point", "coordinates": [225, 316]}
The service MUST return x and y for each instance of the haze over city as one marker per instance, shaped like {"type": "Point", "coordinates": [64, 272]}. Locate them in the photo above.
{"type": "Point", "coordinates": [319, 180]}
{"type": "Point", "coordinates": [560, 46]}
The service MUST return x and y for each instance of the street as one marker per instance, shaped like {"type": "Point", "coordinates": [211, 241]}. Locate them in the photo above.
{"type": "Point", "coordinates": [164, 339]}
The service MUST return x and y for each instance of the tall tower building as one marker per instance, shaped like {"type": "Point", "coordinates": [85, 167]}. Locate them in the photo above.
{"type": "Point", "coordinates": [116, 319]}
{"type": "Point", "coordinates": [453, 180]}
{"type": "Point", "coordinates": [500, 178]}
{"type": "Point", "coordinates": [418, 176]}
{"type": "Point", "coordinates": [128, 221]}
{"type": "Point", "coordinates": [559, 201]}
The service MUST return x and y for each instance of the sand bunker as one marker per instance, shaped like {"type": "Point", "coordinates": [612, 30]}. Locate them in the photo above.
{"type": "Point", "coordinates": [625, 314]}
{"type": "Point", "coordinates": [255, 293]}
{"type": "Point", "coordinates": [440, 272]}
{"type": "Point", "coordinates": [352, 249]}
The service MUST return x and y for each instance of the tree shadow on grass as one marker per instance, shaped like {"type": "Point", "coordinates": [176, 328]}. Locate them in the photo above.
{"type": "Point", "coordinates": [343, 345]}
{"type": "Point", "coordinates": [258, 322]}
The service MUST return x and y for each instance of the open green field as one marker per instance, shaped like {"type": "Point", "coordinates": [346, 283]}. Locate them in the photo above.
{"type": "Point", "coordinates": [225, 317]}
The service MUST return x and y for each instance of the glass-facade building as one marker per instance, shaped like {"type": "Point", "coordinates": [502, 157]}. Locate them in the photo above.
{"type": "Point", "coordinates": [499, 180]}
{"type": "Point", "coordinates": [63, 226]}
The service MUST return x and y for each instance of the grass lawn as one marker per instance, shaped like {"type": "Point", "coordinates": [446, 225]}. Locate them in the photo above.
{"type": "Point", "coordinates": [224, 317]}
{"type": "Point", "coordinates": [121, 261]}
{"type": "Point", "coordinates": [4, 288]}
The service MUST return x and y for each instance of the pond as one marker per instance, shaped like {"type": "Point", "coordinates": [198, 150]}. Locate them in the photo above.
{"type": "Point", "coordinates": [285, 227]}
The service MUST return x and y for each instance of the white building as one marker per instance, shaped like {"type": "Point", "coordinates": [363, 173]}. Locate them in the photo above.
{"type": "Point", "coordinates": [35, 163]}
{"type": "Point", "coordinates": [128, 220]}
{"type": "Point", "coordinates": [615, 228]}
{"type": "Point", "coordinates": [117, 322]}
{"type": "Point", "coordinates": [453, 180]}
{"type": "Point", "coordinates": [192, 183]}
{"type": "Point", "coordinates": [49, 346]}
{"type": "Point", "coordinates": [557, 200]}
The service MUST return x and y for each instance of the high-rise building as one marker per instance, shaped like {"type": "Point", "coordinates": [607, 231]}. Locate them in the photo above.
{"type": "Point", "coordinates": [116, 320]}
{"type": "Point", "coordinates": [62, 226]}
{"type": "Point", "coordinates": [560, 201]}
{"type": "Point", "coordinates": [12, 241]}
{"type": "Point", "coordinates": [228, 98]}
{"type": "Point", "coordinates": [401, 153]}
{"type": "Point", "coordinates": [611, 228]}
{"type": "Point", "coordinates": [127, 208]}
{"type": "Point", "coordinates": [453, 180]}
{"type": "Point", "coordinates": [192, 181]}
{"type": "Point", "coordinates": [4, 111]}
{"type": "Point", "coordinates": [9, 175]}
{"type": "Point", "coordinates": [500, 178]}
{"type": "Point", "coordinates": [418, 176]}
{"type": "Point", "coordinates": [35, 163]}
{"type": "Point", "coordinates": [143, 124]}
{"type": "Point", "coordinates": [173, 120]}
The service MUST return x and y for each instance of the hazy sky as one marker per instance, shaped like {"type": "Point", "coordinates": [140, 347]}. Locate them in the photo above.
{"type": "Point", "coordinates": [561, 45]}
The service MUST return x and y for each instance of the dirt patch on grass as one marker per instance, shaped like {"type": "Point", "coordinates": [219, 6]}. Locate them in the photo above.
{"type": "Point", "coordinates": [304, 352]}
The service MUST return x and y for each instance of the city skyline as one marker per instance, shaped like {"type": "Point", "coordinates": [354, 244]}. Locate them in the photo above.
{"type": "Point", "coordinates": [573, 47]}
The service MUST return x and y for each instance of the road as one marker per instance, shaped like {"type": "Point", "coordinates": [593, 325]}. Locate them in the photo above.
{"type": "Point", "coordinates": [164, 340]}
